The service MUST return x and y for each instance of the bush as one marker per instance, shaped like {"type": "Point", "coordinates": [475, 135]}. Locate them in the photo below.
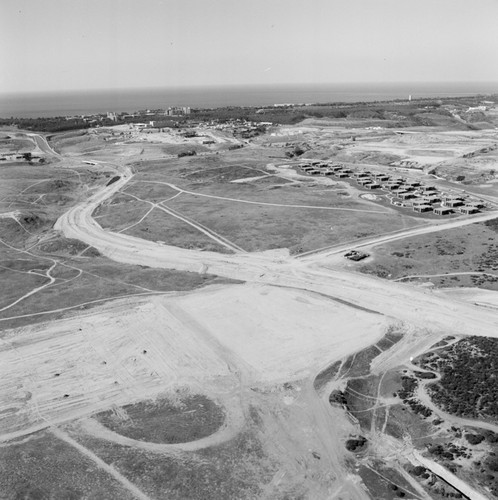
{"type": "Point", "coordinates": [354, 444]}
{"type": "Point", "coordinates": [492, 464]}
{"type": "Point", "coordinates": [474, 438]}
{"type": "Point", "coordinates": [418, 470]}
{"type": "Point", "coordinates": [427, 375]}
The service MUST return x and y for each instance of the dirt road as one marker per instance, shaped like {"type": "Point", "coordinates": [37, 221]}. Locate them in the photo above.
{"type": "Point", "coordinates": [392, 299]}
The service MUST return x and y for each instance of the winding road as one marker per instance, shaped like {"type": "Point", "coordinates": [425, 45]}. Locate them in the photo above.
{"type": "Point", "coordinates": [397, 300]}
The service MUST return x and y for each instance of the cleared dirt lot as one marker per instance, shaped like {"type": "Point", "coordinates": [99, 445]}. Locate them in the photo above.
{"type": "Point", "coordinates": [216, 345]}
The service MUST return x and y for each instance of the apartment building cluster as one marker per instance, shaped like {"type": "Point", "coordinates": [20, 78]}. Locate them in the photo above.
{"type": "Point", "coordinates": [401, 191]}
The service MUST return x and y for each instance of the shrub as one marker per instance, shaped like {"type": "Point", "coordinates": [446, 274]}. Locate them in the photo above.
{"type": "Point", "coordinates": [474, 438]}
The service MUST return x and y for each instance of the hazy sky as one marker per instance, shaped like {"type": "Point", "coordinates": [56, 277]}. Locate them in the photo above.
{"type": "Point", "coordinates": [81, 44]}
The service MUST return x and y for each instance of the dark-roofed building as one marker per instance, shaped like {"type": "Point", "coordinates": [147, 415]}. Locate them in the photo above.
{"type": "Point", "coordinates": [443, 211]}
{"type": "Point", "coordinates": [422, 208]}
{"type": "Point", "coordinates": [468, 210]}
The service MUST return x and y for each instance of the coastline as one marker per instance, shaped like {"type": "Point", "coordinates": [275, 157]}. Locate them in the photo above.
{"type": "Point", "coordinates": [73, 103]}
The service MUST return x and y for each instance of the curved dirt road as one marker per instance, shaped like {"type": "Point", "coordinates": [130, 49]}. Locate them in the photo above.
{"type": "Point", "coordinates": [397, 300]}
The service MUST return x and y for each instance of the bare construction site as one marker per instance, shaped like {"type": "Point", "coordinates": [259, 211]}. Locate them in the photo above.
{"type": "Point", "coordinates": [194, 314]}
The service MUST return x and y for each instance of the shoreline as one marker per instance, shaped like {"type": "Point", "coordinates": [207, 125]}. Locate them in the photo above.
{"type": "Point", "coordinates": [77, 103]}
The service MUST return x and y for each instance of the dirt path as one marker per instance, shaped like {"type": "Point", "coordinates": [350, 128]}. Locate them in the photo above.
{"type": "Point", "coordinates": [103, 465]}
{"type": "Point", "coordinates": [221, 240]}
{"type": "Point", "coordinates": [237, 200]}
{"type": "Point", "coordinates": [233, 425]}
{"type": "Point", "coordinates": [422, 395]}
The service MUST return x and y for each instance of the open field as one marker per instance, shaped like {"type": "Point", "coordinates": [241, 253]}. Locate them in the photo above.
{"type": "Point", "coordinates": [451, 258]}
{"type": "Point", "coordinates": [255, 216]}
{"type": "Point", "coordinates": [44, 466]}
{"type": "Point", "coordinates": [237, 469]}
{"type": "Point", "coordinates": [264, 227]}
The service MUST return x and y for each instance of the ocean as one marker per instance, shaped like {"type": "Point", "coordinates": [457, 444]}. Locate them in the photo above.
{"type": "Point", "coordinates": [70, 103]}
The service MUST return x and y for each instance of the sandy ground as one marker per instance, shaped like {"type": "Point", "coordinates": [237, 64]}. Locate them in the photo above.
{"type": "Point", "coordinates": [477, 296]}
{"type": "Point", "coordinates": [270, 328]}
{"type": "Point", "coordinates": [206, 339]}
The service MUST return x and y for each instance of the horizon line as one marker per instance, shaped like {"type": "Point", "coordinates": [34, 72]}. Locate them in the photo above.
{"type": "Point", "coordinates": [244, 85]}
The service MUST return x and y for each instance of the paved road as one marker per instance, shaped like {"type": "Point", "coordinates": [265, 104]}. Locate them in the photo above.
{"type": "Point", "coordinates": [42, 143]}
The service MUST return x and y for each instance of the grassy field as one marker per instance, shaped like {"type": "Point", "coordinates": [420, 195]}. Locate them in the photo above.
{"type": "Point", "coordinates": [237, 469]}
{"type": "Point", "coordinates": [12, 144]}
{"type": "Point", "coordinates": [384, 483]}
{"type": "Point", "coordinates": [254, 215]}
{"type": "Point", "coordinates": [160, 226]}
{"type": "Point", "coordinates": [166, 420]}
{"type": "Point", "coordinates": [83, 279]}
{"type": "Point", "coordinates": [470, 249]}
{"type": "Point", "coordinates": [45, 467]}
{"type": "Point", "coordinates": [121, 213]}
{"type": "Point", "coordinates": [257, 227]}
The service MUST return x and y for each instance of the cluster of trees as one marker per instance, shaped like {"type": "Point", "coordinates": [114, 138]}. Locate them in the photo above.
{"type": "Point", "coordinates": [474, 438]}
{"type": "Point", "coordinates": [468, 385]}
{"type": "Point", "coordinates": [356, 444]}
{"type": "Point", "coordinates": [426, 375]}
{"type": "Point", "coordinates": [449, 452]}
{"type": "Point", "coordinates": [409, 384]}
{"type": "Point", "coordinates": [297, 151]}
{"type": "Point", "coordinates": [52, 124]}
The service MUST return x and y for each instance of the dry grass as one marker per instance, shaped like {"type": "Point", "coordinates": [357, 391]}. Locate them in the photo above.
{"type": "Point", "coordinates": [179, 420]}
{"type": "Point", "coordinates": [262, 227]}
{"type": "Point", "coordinates": [45, 467]}
{"type": "Point", "coordinates": [471, 249]}
{"type": "Point", "coordinates": [101, 279]}
{"type": "Point", "coordinates": [237, 469]}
